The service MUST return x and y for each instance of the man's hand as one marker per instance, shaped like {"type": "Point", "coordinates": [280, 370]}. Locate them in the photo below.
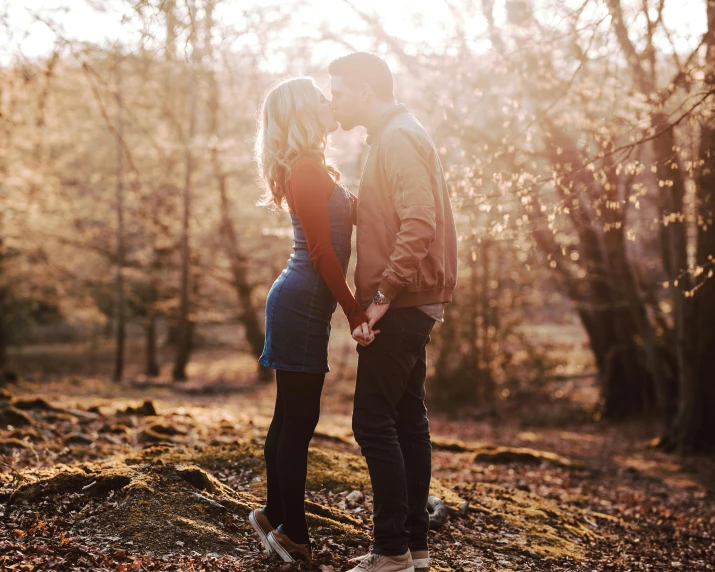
{"type": "Point", "coordinates": [375, 312]}
{"type": "Point", "coordinates": [364, 335]}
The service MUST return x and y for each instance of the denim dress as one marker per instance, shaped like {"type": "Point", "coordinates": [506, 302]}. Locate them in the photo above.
{"type": "Point", "coordinates": [300, 304]}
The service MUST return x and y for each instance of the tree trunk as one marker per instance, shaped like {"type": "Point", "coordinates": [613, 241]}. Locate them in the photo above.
{"type": "Point", "coordinates": [3, 325]}
{"type": "Point", "coordinates": [183, 338]}
{"type": "Point", "coordinates": [4, 148]}
{"type": "Point", "coordinates": [674, 242]}
{"type": "Point", "coordinates": [475, 313]}
{"type": "Point", "coordinates": [183, 348]}
{"type": "Point", "coordinates": [120, 315]}
{"type": "Point", "coordinates": [151, 367]}
{"type": "Point", "coordinates": [93, 348]}
{"type": "Point", "coordinates": [693, 429]}
{"type": "Point", "coordinates": [488, 326]}
{"type": "Point", "coordinates": [625, 289]}
{"type": "Point", "coordinates": [624, 380]}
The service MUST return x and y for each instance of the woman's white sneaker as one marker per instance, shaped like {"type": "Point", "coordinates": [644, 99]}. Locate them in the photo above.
{"type": "Point", "coordinates": [263, 528]}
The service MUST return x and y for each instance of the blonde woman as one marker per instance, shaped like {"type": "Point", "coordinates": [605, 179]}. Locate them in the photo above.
{"type": "Point", "coordinates": [290, 151]}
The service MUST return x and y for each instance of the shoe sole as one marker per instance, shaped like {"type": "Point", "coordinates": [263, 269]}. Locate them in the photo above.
{"type": "Point", "coordinates": [280, 551]}
{"type": "Point", "coordinates": [421, 564]}
{"type": "Point", "coordinates": [262, 535]}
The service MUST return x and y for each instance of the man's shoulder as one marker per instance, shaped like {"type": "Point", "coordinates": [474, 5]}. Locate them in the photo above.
{"type": "Point", "coordinates": [405, 127]}
{"type": "Point", "coordinates": [406, 133]}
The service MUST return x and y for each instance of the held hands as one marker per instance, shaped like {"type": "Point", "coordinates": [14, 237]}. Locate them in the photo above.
{"type": "Point", "coordinates": [364, 334]}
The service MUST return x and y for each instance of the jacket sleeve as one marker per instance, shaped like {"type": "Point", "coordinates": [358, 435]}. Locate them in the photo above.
{"type": "Point", "coordinates": [406, 162]}
{"type": "Point", "coordinates": [310, 189]}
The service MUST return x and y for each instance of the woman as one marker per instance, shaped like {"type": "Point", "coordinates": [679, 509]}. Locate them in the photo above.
{"type": "Point", "coordinates": [290, 151]}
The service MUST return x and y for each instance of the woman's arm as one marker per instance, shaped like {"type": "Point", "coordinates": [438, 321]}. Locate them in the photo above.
{"type": "Point", "coordinates": [310, 189]}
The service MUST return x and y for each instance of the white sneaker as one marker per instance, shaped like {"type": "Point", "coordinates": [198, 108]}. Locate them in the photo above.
{"type": "Point", "coordinates": [372, 562]}
{"type": "Point", "coordinates": [263, 528]}
{"type": "Point", "coordinates": [420, 559]}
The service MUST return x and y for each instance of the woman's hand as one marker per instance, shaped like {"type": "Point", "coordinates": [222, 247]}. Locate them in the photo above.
{"type": "Point", "coordinates": [364, 335]}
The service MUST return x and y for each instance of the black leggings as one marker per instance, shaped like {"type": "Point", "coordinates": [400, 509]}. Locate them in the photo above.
{"type": "Point", "coordinates": [286, 450]}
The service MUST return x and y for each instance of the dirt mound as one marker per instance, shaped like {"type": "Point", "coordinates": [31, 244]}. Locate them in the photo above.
{"type": "Point", "coordinates": [161, 507]}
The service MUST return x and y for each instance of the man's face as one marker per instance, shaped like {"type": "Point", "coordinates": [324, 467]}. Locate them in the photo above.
{"type": "Point", "coordinates": [346, 102]}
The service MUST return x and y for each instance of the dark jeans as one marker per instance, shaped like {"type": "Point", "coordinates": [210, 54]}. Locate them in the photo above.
{"type": "Point", "coordinates": [286, 450]}
{"type": "Point", "coordinates": [390, 425]}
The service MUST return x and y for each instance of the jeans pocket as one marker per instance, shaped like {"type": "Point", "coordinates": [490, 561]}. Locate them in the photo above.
{"type": "Point", "coordinates": [414, 341]}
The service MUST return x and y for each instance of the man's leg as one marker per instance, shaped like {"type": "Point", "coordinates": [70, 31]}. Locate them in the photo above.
{"type": "Point", "coordinates": [384, 369]}
{"type": "Point", "coordinates": [414, 437]}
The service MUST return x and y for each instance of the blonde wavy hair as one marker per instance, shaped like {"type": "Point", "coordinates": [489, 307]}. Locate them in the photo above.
{"type": "Point", "coordinates": [289, 128]}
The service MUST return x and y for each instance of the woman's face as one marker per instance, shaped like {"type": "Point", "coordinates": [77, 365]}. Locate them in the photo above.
{"type": "Point", "coordinates": [325, 113]}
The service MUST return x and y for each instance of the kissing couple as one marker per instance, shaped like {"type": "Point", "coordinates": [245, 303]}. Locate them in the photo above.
{"type": "Point", "coordinates": [406, 271]}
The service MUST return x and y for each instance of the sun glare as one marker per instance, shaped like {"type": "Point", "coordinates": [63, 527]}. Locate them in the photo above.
{"type": "Point", "coordinates": [419, 25]}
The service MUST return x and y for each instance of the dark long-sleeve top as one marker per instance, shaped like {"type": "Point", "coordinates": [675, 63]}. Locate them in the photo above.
{"type": "Point", "coordinates": [308, 191]}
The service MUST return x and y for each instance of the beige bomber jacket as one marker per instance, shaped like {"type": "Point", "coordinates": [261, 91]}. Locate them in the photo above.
{"type": "Point", "coordinates": [406, 237]}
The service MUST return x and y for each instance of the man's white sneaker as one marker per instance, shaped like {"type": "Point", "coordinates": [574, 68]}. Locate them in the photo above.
{"type": "Point", "coordinates": [378, 563]}
{"type": "Point", "coordinates": [420, 559]}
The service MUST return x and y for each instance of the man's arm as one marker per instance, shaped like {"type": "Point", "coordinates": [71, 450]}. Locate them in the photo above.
{"type": "Point", "coordinates": [406, 162]}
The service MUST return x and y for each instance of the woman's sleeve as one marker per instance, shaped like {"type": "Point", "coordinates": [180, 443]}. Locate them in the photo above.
{"type": "Point", "coordinates": [310, 189]}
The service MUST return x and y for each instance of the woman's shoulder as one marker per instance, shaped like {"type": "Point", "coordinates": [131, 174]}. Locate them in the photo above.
{"type": "Point", "coordinates": [307, 163]}
{"type": "Point", "coordinates": [308, 169]}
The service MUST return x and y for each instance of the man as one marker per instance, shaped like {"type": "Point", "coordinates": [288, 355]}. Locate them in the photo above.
{"type": "Point", "coordinates": [406, 272]}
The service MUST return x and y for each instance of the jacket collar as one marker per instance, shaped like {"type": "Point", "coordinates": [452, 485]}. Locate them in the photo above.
{"type": "Point", "coordinates": [376, 127]}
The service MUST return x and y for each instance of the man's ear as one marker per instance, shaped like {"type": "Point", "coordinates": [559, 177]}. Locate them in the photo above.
{"type": "Point", "coordinates": [366, 92]}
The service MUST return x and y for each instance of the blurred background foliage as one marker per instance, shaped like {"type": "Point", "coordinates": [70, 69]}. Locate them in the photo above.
{"type": "Point", "coordinates": [577, 138]}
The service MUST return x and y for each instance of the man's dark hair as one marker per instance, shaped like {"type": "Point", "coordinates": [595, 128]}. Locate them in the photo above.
{"type": "Point", "coordinates": [363, 67]}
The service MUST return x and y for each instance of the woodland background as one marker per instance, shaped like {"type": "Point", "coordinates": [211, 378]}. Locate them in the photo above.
{"type": "Point", "coordinates": [578, 138]}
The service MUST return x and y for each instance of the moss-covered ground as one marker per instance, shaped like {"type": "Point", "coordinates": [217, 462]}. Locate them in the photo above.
{"type": "Point", "coordinates": [100, 477]}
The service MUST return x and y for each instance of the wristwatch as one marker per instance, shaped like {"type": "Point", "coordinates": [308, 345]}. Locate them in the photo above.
{"type": "Point", "coordinates": [379, 298]}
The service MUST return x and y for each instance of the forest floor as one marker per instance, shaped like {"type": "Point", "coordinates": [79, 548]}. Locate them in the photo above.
{"type": "Point", "coordinates": [159, 476]}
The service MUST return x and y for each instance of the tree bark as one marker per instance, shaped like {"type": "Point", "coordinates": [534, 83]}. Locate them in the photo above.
{"type": "Point", "coordinates": [693, 429]}
{"type": "Point", "coordinates": [484, 367]}
{"type": "Point", "coordinates": [3, 325]}
{"type": "Point", "coordinates": [120, 313]}
{"type": "Point", "coordinates": [185, 327]}
{"type": "Point", "coordinates": [674, 241]}
{"type": "Point", "coordinates": [151, 366]}
{"type": "Point", "coordinates": [607, 316]}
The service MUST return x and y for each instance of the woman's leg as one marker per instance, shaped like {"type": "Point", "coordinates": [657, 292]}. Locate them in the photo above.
{"type": "Point", "coordinates": [300, 393]}
{"type": "Point", "coordinates": [274, 503]}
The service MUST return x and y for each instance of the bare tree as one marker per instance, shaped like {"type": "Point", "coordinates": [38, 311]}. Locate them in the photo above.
{"type": "Point", "coordinates": [185, 320]}
{"type": "Point", "coordinates": [119, 305]}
